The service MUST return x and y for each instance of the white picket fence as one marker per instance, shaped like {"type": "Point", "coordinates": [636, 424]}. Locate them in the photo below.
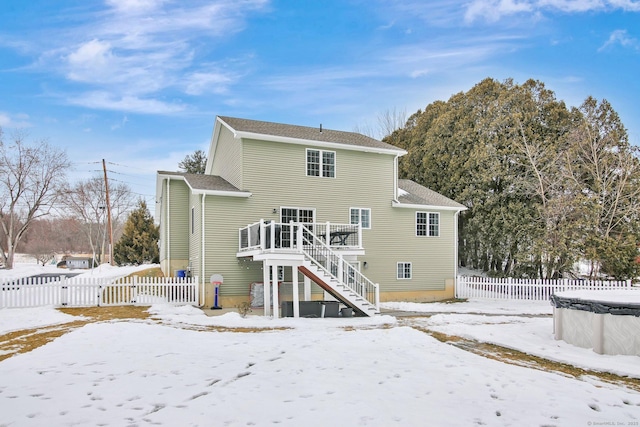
{"type": "Point", "coordinates": [89, 291]}
{"type": "Point", "coordinates": [528, 289]}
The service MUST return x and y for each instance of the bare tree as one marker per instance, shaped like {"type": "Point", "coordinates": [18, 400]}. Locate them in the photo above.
{"type": "Point", "coordinates": [86, 202]}
{"type": "Point", "coordinates": [387, 122]}
{"type": "Point", "coordinates": [39, 241]}
{"type": "Point", "coordinates": [605, 172]}
{"type": "Point", "coordinates": [49, 236]}
{"type": "Point", "coordinates": [30, 179]}
{"type": "Point", "coordinates": [391, 120]}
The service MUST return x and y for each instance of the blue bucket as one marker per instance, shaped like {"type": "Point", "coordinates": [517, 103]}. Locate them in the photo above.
{"type": "Point", "coordinates": [181, 273]}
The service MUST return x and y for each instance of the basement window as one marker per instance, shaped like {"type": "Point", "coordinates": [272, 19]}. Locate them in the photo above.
{"type": "Point", "coordinates": [404, 270]}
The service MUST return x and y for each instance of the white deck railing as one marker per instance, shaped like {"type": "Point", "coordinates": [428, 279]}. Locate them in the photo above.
{"type": "Point", "coordinates": [89, 291]}
{"type": "Point", "coordinates": [528, 289]}
{"type": "Point", "coordinates": [263, 235]}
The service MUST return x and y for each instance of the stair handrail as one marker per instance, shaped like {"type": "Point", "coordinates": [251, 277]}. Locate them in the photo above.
{"type": "Point", "coordinates": [311, 246]}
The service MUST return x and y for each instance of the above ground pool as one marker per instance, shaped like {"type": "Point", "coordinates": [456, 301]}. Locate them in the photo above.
{"type": "Point", "coordinates": [606, 321]}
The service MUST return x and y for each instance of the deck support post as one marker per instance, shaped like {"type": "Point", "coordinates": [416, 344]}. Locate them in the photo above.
{"type": "Point", "coordinates": [307, 289]}
{"type": "Point", "coordinates": [274, 279]}
{"type": "Point", "coordinates": [266, 284]}
{"type": "Point", "coordinates": [296, 292]}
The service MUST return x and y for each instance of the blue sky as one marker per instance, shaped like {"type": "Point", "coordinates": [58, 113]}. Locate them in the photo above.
{"type": "Point", "coordinates": [139, 82]}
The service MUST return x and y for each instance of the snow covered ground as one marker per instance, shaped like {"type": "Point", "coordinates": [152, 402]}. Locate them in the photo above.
{"type": "Point", "coordinates": [317, 372]}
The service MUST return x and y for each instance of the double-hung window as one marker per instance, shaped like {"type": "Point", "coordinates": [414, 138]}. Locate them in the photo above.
{"type": "Point", "coordinates": [428, 224]}
{"type": "Point", "coordinates": [404, 270]}
{"type": "Point", "coordinates": [321, 163]}
{"type": "Point", "coordinates": [360, 215]}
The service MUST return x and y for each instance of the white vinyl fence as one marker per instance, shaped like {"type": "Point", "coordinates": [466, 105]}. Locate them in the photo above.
{"type": "Point", "coordinates": [89, 291]}
{"type": "Point", "coordinates": [528, 289]}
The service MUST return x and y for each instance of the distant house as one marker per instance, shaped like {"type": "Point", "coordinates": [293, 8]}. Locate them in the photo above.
{"type": "Point", "coordinates": [78, 262]}
{"type": "Point", "coordinates": [293, 210]}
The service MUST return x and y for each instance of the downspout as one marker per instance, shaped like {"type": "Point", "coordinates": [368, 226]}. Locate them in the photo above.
{"type": "Point", "coordinates": [168, 227]}
{"type": "Point", "coordinates": [455, 254]}
{"type": "Point", "coordinates": [202, 257]}
{"type": "Point", "coordinates": [395, 179]}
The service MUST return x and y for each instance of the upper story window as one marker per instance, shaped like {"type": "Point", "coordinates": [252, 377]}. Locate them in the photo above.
{"type": "Point", "coordinates": [428, 224]}
{"type": "Point", "coordinates": [321, 163]}
{"type": "Point", "coordinates": [361, 216]}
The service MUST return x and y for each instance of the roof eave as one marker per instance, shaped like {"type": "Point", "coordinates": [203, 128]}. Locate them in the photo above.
{"type": "Point", "coordinates": [199, 190]}
{"type": "Point", "coordinates": [222, 193]}
{"type": "Point", "coordinates": [433, 207]}
{"type": "Point", "coordinates": [324, 144]}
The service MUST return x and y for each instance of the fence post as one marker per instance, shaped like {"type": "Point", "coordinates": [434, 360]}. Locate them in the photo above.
{"type": "Point", "coordinates": [64, 291]}
{"type": "Point", "coordinates": [509, 286]}
{"type": "Point", "coordinates": [134, 289]}
{"type": "Point", "coordinates": [195, 281]}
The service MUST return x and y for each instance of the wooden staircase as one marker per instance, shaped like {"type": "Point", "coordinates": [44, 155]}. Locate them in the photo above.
{"type": "Point", "coordinates": [337, 277]}
{"type": "Point", "coordinates": [337, 290]}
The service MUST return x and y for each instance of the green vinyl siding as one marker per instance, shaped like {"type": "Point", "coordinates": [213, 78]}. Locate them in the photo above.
{"type": "Point", "coordinates": [224, 216]}
{"type": "Point", "coordinates": [275, 174]}
{"type": "Point", "coordinates": [162, 215]}
{"type": "Point", "coordinates": [195, 237]}
{"type": "Point", "coordinates": [228, 158]}
{"type": "Point", "coordinates": [395, 240]}
{"type": "Point", "coordinates": [179, 216]}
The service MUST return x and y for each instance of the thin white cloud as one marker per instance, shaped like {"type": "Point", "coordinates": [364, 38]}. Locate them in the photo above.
{"type": "Point", "coordinates": [120, 124]}
{"type": "Point", "coordinates": [494, 10]}
{"type": "Point", "coordinates": [450, 12]}
{"type": "Point", "coordinates": [135, 6]}
{"type": "Point", "coordinates": [620, 37]}
{"type": "Point", "coordinates": [90, 60]}
{"type": "Point", "coordinates": [200, 83]}
{"type": "Point", "coordinates": [137, 49]}
{"type": "Point", "coordinates": [8, 120]}
{"type": "Point", "coordinates": [107, 101]}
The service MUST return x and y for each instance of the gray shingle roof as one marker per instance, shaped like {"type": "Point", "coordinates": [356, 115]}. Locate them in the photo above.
{"type": "Point", "coordinates": [417, 194]}
{"type": "Point", "coordinates": [306, 133]}
{"type": "Point", "coordinates": [205, 182]}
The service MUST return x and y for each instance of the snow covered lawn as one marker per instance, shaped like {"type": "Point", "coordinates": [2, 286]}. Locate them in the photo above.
{"type": "Point", "coordinates": [318, 372]}
{"type": "Point", "coordinates": [177, 370]}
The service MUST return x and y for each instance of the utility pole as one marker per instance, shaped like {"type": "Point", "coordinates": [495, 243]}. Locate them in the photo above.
{"type": "Point", "coordinates": [106, 185]}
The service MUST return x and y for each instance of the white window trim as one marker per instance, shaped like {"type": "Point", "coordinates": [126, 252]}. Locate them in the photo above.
{"type": "Point", "coordinates": [427, 224]}
{"type": "Point", "coordinates": [360, 216]}
{"type": "Point", "coordinates": [298, 208]}
{"type": "Point", "coordinates": [320, 157]}
{"type": "Point", "coordinates": [403, 265]}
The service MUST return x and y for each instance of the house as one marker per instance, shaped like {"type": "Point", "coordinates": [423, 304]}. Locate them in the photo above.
{"type": "Point", "coordinates": [284, 211]}
{"type": "Point", "coordinates": [83, 262]}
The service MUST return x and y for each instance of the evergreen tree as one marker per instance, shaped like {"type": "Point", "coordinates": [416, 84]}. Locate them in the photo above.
{"type": "Point", "coordinates": [194, 163]}
{"type": "Point", "coordinates": [139, 241]}
{"type": "Point", "coordinates": [545, 185]}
